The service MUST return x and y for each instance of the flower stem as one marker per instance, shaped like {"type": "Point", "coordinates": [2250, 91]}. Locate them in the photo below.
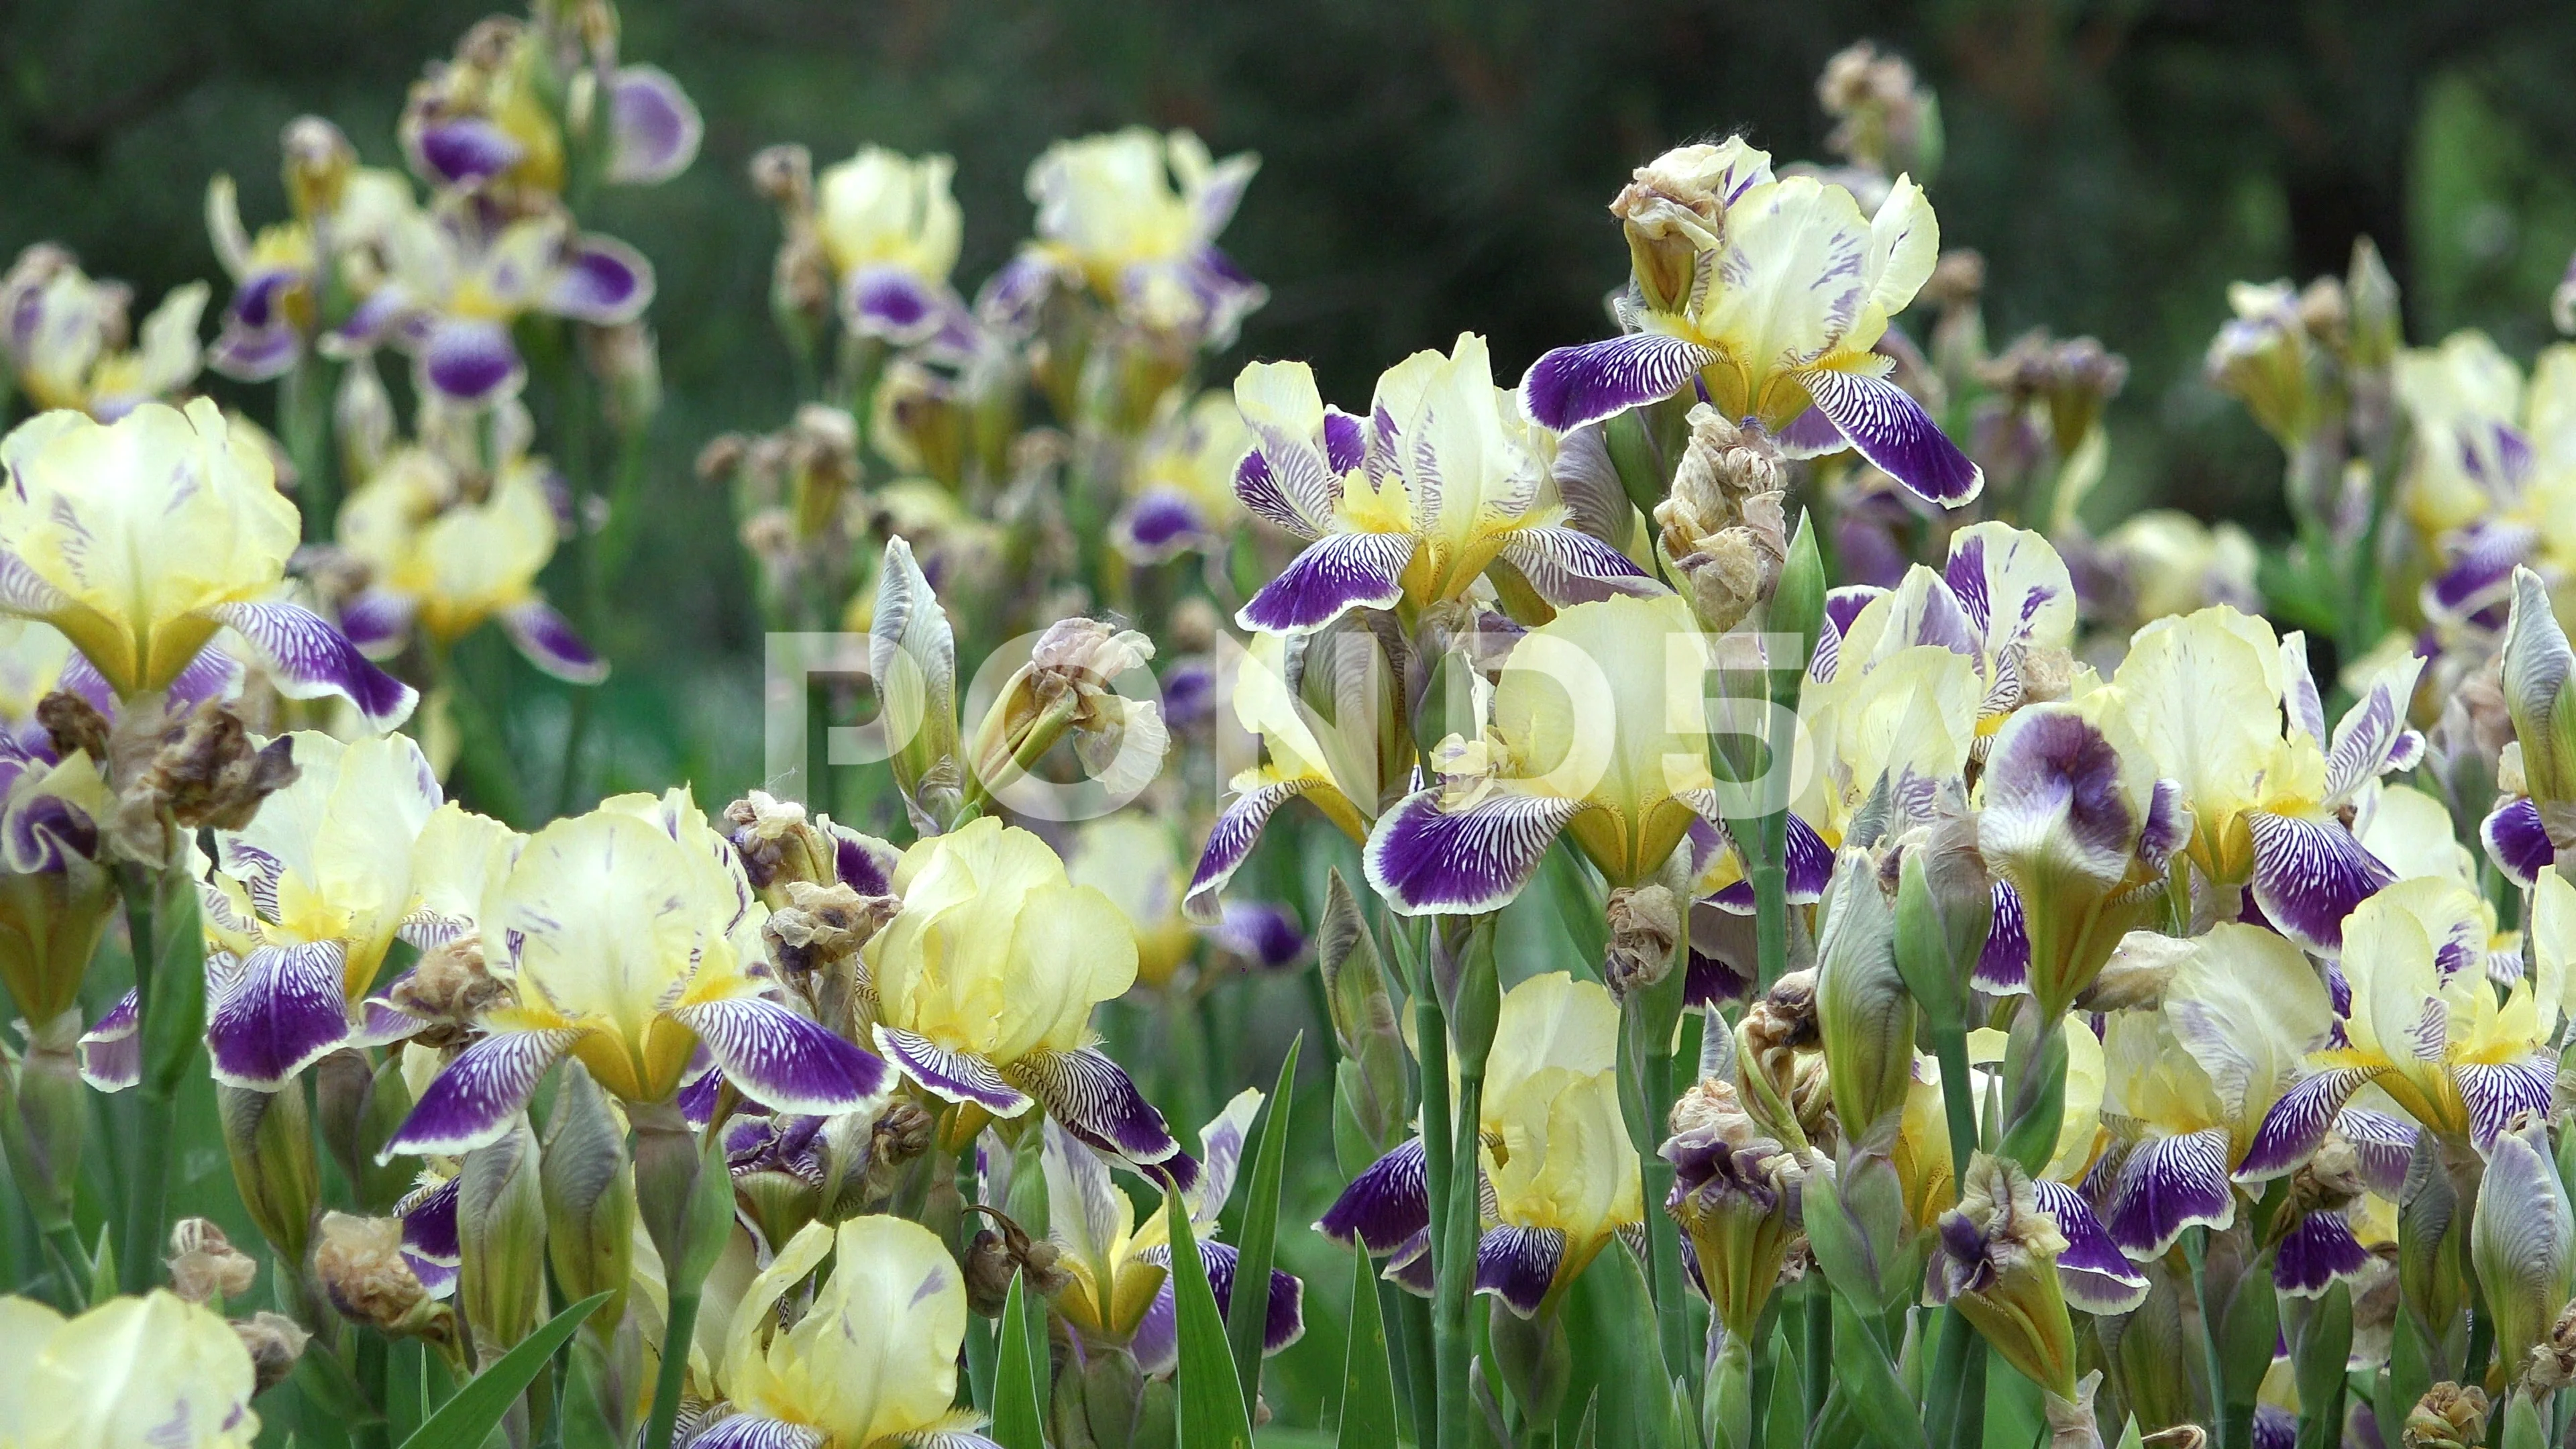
{"type": "Point", "coordinates": [1448, 1370]}
{"type": "Point", "coordinates": [682, 1326]}
{"type": "Point", "coordinates": [1453, 1335]}
{"type": "Point", "coordinates": [139, 1247]}
{"type": "Point", "coordinates": [2195, 1250]}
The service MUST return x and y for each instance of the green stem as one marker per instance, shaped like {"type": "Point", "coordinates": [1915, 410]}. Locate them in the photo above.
{"type": "Point", "coordinates": [1454, 1270]}
{"type": "Point", "coordinates": [1413, 1316]}
{"type": "Point", "coordinates": [2195, 1250]}
{"type": "Point", "coordinates": [1958, 1095]}
{"type": "Point", "coordinates": [303, 405]}
{"type": "Point", "coordinates": [480, 751]}
{"type": "Point", "coordinates": [72, 1262]}
{"type": "Point", "coordinates": [138, 1249]}
{"type": "Point", "coordinates": [1449, 1405]}
{"type": "Point", "coordinates": [1819, 1354]}
{"type": "Point", "coordinates": [683, 1325]}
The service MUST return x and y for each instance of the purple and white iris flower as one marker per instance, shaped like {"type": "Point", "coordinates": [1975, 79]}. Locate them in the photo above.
{"type": "Point", "coordinates": [984, 984]}
{"type": "Point", "coordinates": [1133, 217]}
{"type": "Point", "coordinates": [140, 540]}
{"type": "Point", "coordinates": [1781, 291]}
{"type": "Point", "coordinates": [1445, 478]}
{"type": "Point", "coordinates": [633, 940]}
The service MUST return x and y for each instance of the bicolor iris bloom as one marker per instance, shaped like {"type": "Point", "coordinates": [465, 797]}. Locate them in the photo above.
{"type": "Point", "coordinates": [985, 981]}
{"type": "Point", "coordinates": [2427, 1026]}
{"type": "Point", "coordinates": [1181, 487]}
{"type": "Point", "coordinates": [443, 557]}
{"type": "Point", "coordinates": [632, 938]}
{"type": "Point", "coordinates": [871, 1364]}
{"type": "Point", "coordinates": [1598, 731]}
{"type": "Point", "coordinates": [482, 119]}
{"type": "Point", "coordinates": [891, 228]}
{"type": "Point", "coordinates": [1413, 504]}
{"type": "Point", "coordinates": [1135, 217]}
{"type": "Point", "coordinates": [1788, 290]}
{"type": "Point", "coordinates": [1557, 1156]}
{"type": "Point", "coordinates": [65, 336]}
{"type": "Point", "coordinates": [55, 893]}
{"type": "Point", "coordinates": [131, 1373]}
{"type": "Point", "coordinates": [142, 538]}
{"type": "Point", "coordinates": [2230, 714]}
{"type": "Point", "coordinates": [1121, 1290]}
{"type": "Point", "coordinates": [2492, 478]}
{"type": "Point", "coordinates": [345, 216]}
{"type": "Point", "coordinates": [2191, 1083]}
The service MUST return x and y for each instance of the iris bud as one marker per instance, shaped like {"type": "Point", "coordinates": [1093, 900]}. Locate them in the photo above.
{"type": "Point", "coordinates": [501, 1231]}
{"type": "Point", "coordinates": [269, 1136]}
{"type": "Point", "coordinates": [1864, 1017]}
{"type": "Point", "coordinates": [2522, 1240]}
{"type": "Point", "coordinates": [588, 1189]}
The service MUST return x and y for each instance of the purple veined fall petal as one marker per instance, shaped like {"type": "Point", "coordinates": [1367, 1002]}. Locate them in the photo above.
{"type": "Point", "coordinates": [1427, 861]}
{"type": "Point", "coordinates": [1385, 1206]}
{"type": "Point", "coordinates": [2168, 1184]}
{"type": "Point", "coordinates": [1157, 1343]}
{"type": "Point", "coordinates": [276, 1012]}
{"type": "Point", "coordinates": [784, 1061]}
{"type": "Point", "coordinates": [2317, 1253]}
{"type": "Point", "coordinates": [2096, 1276]}
{"type": "Point", "coordinates": [1567, 567]}
{"type": "Point", "coordinates": [2496, 1092]}
{"type": "Point", "coordinates": [2003, 963]}
{"type": "Point", "coordinates": [246, 353]}
{"type": "Point", "coordinates": [753, 1431]}
{"type": "Point", "coordinates": [654, 128]}
{"type": "Point", "coordinates": [24, 592]}
{"type": "Point", "coordinates": [381, 1023]}
{"type": "Point", "coordinates": [1891, 430]}
{"type": "Point", "coordinates": [952, 1076]}
{"type": "Point", "coordinates": [2517, 842]}
{"type": "Point", "coordinates": [2372, 738]}
{"type": "Point", "coordinates": [1842, 606]}
{"type": "Point", "coordinates": [465, 151]}
{"type": "Point", "coordinates": [1335, 574]}
{"type": "Point", "coordinates": [470, 362]}
{"type": "Point", "coordinates": [899, 305]}
{"type": "Point", "coordinates": [378, 621]}
{"type": "Point", "coordinates": [472, 1102]}
{"type": "Point", "coordinates": [600, 280]}
{"type": "Point", "coordinates": [2309, 875]}
{"type": "Point", "coordinates": [1571, 386]}
{"type": "Point", "coordinates": [1286, 480]}
{"type": "Point", "coordinates": [1518, 1265]}
{"type": "Point", "coordinates": [1811, 869]}
{"type": "Point", "coordinates": [429, 1237]}
{"type": "Point", "coordinates": [1409, 1266]}
{"type": "Point", "coordinates": [2290, 1132]}
{"type": "Point", "coordinates": [2385, 1144]}
{"type": "Point", "coordinates": [389, 313]}
{"type": "Point", "coordinates": [2478, 568]}
{"type": "Point", "coordinates": [308, 658]}
{"type": "Point", "coordinates": [1230, 841]}
{"type": "Point", "coordinates": [1262, 932]}
{"type": "Point", "coordinates": [547, 640]}
{"type": "Point", "coordinates": [111, 1053]}
{"type": "Point", "coordinates": [1810, 434]}
{"type": "Point", "coordinates": [1098, 1104]}
{"type": "Point", "coordinates": [699, 1096]}
{"type": "Point", "coordinates": [1159, 524]}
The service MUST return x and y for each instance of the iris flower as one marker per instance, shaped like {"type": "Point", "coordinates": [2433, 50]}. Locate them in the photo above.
{"type": "Point", "coordinates": [2427, 1027]}
{"type": "Point", "coordinates": [66, 337]}
{"type": "Point", "coordinates": [345, 215]}
{"type": "Point", "coordinates": [871, 1364]}
{"type": "Point", "coordinates": [2521, 836]}
{"type": "Point", "coordinates": [1340, 764]}
{"type": "Point", "coordinates": [1134, 217]}
{"type": "Point", "coordinates": [455, 284]}
{"type": "Point", "coordinates": [2490, 480]}
{"type": "Point", "coordinates": [2231, 714]}
{"type": "Point", "coordinates": [1181, 493]}
{"type": "Point", "coordinates": [131, 1373]}
{"type": "Point", "coordinates": [142, 538]}
{"type": "Point", "coordinates": [632, 938]}
{"type": "Point", "coordinates": [2190, 1083]}
{"type": "Point", "coordinates": [2092, 1271]}
{"type": "Point", "coordinates": [1788, 290]}
{"type": "Point", "coordinates": [1411, 506]}
{"type": "Point", "coordinates": [55, 893]}
{"type": "Point", "coordinates": [1556, 1154]}
{"type": "Point", "coordinates": [985, 981]}
{"type": "Point", "coordinates": [891, 228]}
{"type": "Point", "coordinates": [1121, 1289]}
{"type": "Point", "coordinates": [444, 556]}
{"type": "Point", "coordinates": [1598, 731]}
{"type": "Point", "coordinates": [482, 120]}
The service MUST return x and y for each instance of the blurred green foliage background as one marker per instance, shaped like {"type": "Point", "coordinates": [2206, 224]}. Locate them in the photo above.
{"type": "Point", "coordinates": [1426, 169]}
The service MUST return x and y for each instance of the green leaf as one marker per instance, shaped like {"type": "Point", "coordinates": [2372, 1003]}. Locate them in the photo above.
{"type": "Point", "coordinates": [102, 1266]}
{"type": "Point", "coordinates": [1368, 1378]}
{"type": "Point", "coordinates": [1017, 1392]}
{"type": "Point", "coordinates": [1869, 1385]}
{"type": "Point", "coordinates": [2319, 1356]}
{"type": "Point", "coordinates": [2522, 1423]}
{"type": "Point", "coordinates": [1212, 1415]}
{"type": "Point", "coordinates": [464, 1421]}
{"type": "Point", "coordinates": [1784, 1419]}
{"type": "Point", "coordinates": [1618, 1361]}
{"type": "Point", "coordinates": [1247, 1317]}
{"type": "Point", "coordinates": [1589, 1435]}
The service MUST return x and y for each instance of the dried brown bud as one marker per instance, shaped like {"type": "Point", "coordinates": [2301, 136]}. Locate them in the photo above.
{"type": "Point", "coordinates": [360, 1265]}
{"type": "Point", "coordinates": [204, 1265]}
{"type": "Point", "coordinates": [2449, 1416]}
{"type": "Point", "coordinates": [1195, 625]}
{"type": "Point", "coordinates": [2552, 1365]}
{"type": "Point", "coordinates": [1001, 1252]}
{"type": "Point", "coordinates": [275, 1342]}
{"type": "Point", "coordinates": [199, 771]}
{"type": "Point", "coordinates": [901, 1133]}
{"type": "Point", "coordinates": [1726, 525]}
{"type": "Point", "coordinates": [450, 988]}
{"type": "Point", "coordinates": [722, 455]}
{"type": "Point", "coordinates": [1782, 1021]}
{"type": "Point", "coordinates": [784, 177]}
{"type": "Point", "coordinates": [2178, 1436]}
{"type": "Point", "coordinates": [829, 920]}
{"type": "Point", "coordinates": [73, 724]}
{"type": "Point", "coordinates": [1958, 279]}
{"type": "Point", "coordinates": [1645, 922]}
